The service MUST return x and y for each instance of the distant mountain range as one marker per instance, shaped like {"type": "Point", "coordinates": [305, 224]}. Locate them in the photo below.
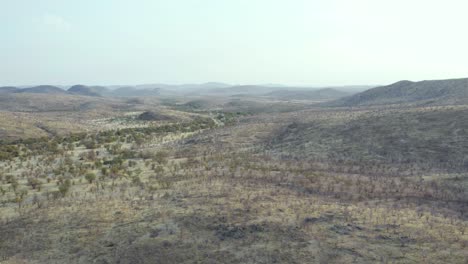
{"type": "Point", "coordinates": [235, 89]}
{"type": "Point", "coordinates": [88, 90]}
{"type": "Point", "coordinates": [43, 89]}
{"type": "Point", "coordinates": [433, 92]}
{"type": "Point", "coordinates": [282, 92]}
{"type": "Point", "coordinates": [132, 91]}
{"type": "Point", "coordinates": [83, 90]}
{"type": "Point", "coordinates": [211, 88]}
{"type": "Point", "coordinates": [8, 89]}
{"type": "Point", "coordinates": [320, 94]}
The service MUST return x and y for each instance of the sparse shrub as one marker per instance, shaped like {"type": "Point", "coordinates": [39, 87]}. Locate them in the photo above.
{"type": "Point", "coordinates": [161, 157]}
{"type": "Point", "coordinates": [34, 183]}
{"type": "Point", "coordinates": [136, 180]}
{"type": "Point", "coordinates": [13, 183]}
{"type": "Point", "coordinates": [20, 195]}
{"type": "Point", "coordinates": [64, 187]}
{"type": "Point", "coordinates": [90, 144]}
{"type": "Point", "coordinates": [90, 177]}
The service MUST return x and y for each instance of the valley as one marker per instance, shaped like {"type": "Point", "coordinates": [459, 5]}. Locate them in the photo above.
{"type": "Point", "coordinates": [230, 174]}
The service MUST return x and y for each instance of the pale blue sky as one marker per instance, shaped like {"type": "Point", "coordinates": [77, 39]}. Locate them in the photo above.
{"type": "Point", "coordinates": [296, 42]}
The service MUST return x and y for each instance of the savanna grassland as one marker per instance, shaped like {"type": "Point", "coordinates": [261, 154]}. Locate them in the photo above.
{"type": "Point", "coordinates": [232, 180]}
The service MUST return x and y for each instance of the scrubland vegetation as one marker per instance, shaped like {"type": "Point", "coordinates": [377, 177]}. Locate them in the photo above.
{"type": "Point", "coordinates": [239, 181]}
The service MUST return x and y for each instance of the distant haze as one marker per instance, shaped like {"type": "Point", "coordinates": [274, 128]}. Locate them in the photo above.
{"type": "Point", "coordinates": [294, 42]}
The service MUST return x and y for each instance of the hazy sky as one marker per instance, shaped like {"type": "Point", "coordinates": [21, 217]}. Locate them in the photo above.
{"type": "Point", "coordinates": [297, 42]}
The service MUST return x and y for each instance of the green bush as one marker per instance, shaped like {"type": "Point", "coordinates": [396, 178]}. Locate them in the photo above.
{"type": "Point", "coordinates": [64, 187]}
{"type": "Point", "coordinates": [90, 177]}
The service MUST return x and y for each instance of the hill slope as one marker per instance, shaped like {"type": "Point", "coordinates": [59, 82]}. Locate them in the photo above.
{"type": "Point", "coordinates": [425, 138]}
{"type": "Point", "coordinates": [434, 92]}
